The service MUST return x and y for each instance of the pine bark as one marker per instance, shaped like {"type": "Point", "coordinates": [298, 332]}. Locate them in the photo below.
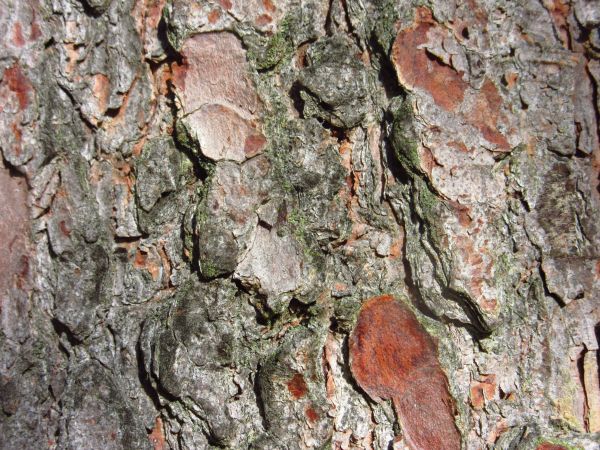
{"type": "Point", "coordinates": [346, 224]}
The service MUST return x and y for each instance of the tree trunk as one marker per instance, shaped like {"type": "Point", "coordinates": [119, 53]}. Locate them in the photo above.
{"type": "Point", "coordinates": [368, 224]}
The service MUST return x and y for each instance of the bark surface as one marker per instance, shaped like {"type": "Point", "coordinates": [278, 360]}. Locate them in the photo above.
{"type": "Point", "coordinates": [298, 224]}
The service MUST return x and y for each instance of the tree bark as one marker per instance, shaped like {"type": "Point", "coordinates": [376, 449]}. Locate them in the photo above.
{"type": "Point", "coordinates": [346, 224]}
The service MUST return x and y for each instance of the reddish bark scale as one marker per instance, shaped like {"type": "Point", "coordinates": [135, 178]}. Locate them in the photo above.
{"type": "Point", "coordinates": [64, 228]}
{"type": "Point", "coordinates": [263, 19]}
{"type": "Point", "coordinates": [101, 91]}
{"type": "Point", "coordinates": [34, 32]}
{"type": "Point", "coordinates": [140, 259]}
{"type": "Point", "coordinates": [559, 10]}
{"type": "Point", "coordinates": [214, 16]}
{"type": "Point", "coordinates": [549, 446]}
{"type": "Point", "coordinates": [297, 386]}
{"type": "Point", "coordinates": [416, 68]}
{"type": "Point", "coordinates": [482, 391]}
{"type": "Point", "coordinates": [254, 144]}
{"type": "Point", "coordinates": [269, 6]}
{"type": "Point", "coordinates": [393, 357]}
{"type": "Point", "coordinates": [486, 114]}
{"type": "Point", "coordinates": [19, 84]}
{"type": "Point", "coordinates": [17, 133]}
{"type": "Point", "coordinates": [311, 414]}
{"type": "Point", "coordinates": [14, 235]}
{"type": "Point", "coordinates": [18, 38]}
{"type": "Point", "coordinates": [180, 73]}
{"type": "Point", "coordinates": [157, 436]}
{"type": "Point", "coordinates": [226, 4]}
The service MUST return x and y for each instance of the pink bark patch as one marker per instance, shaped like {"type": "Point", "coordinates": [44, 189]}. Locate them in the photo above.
{"type": "Point", "coordinates": [215, 88]}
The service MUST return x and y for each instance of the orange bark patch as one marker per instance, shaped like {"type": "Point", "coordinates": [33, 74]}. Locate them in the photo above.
{"type": "Point", "coordinates": [559, 10]}
{"type": "Point", "coordinates": [64, 228]}
{"type": "Point", "coordinates": [416, 68]}
{"type": "Point", "coordinates": [17, 133]}
{"type": "Point", "coordinates": [154, 12]}
{"type": "Point", "coordinates": [393, 357]}
{"type": "Point", "coordinates": [477, 398]}
{"type": "Point", "coordinates": [428, 161]}
{"type": "Point", "coordinates": [301, 61]}
{"type": "Point", "coordinates": [396, 248]}
{"type": "Point", "coordinates": [510, 78]}
{"type": "Point", "coordinates": [489, 304]}
{"type": "Point", "coordinates": [216, 90]}
{"type": "Point", "coordinates": [151, 263]}
{"type": "Point", "coordinates": [157, 436]}
{"type": "Point", "coordinates": [340, 287]}
{"type": "Point", "coordinates": [19, 84]}
{"type": "Point", "coordinates": [486, 114]}
{"type": "Point", "coordinates": [268, 5]}
{"type": "Point", "coordinates": [140, 259]}
{"type": "Point", "coordinates": [462, 213]}
{"type": "Point", "coordinates": [297, 386]}
{"type": "Point", "coordinates": [483, 391]}
{"type": "Point", "coordinates": [101, 90]}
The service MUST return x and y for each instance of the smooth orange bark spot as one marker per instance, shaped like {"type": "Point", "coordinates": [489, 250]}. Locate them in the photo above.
{"type": "Point", "coordinates": [157, 436]}
{"type": "Point", "coordinates": [486, 114]}
{"type": "Point", "coordinates": [417, 68]}
{"type": "Point", "coordinates": [297, 386]}
{"type": "Point", "coordinates": [311, 414]}
{"type": "Point", "coordinates": [483, 391]}
{"type": "Point", "coordinates": [393, 357]}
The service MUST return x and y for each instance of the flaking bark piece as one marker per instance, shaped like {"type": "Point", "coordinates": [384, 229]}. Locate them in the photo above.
{"type": "Point", "coordinates": [393, 357]}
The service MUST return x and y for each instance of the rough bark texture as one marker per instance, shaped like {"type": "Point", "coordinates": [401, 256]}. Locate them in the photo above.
{"type": "Point", "coordinates": [299, 224]}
